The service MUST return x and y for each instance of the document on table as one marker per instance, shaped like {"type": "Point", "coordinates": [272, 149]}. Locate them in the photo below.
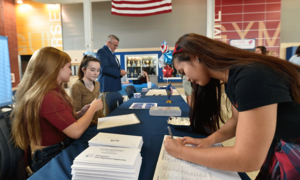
{"type": "Point", "coordinates": [116, 140]}
{"type": "Point", "coordinates": [160, 92]}
{"type": "Point", "coordinates": [170, 168]}
{"type": "Point", "coordinates": [114, 121]}
{"type": "Point", "coordinates": [142, 105]}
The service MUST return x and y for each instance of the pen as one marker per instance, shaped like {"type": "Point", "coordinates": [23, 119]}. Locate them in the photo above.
{"type": "Point", "coordinates": [100, 96]}
{"type": "Point", "coordinates": [170, 132]}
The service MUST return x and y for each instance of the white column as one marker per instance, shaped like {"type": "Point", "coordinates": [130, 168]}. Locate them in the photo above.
{"type": "Point", "coordinates": [88, 26]}
{"type": "Point", "coordinates": [210, 18]}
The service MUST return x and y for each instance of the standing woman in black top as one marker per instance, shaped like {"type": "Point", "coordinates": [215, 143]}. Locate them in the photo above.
{"type": "Point", "coordinates": [265, 97]}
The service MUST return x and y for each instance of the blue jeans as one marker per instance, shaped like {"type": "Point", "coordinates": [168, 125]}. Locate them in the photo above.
{"type": "Point", "coordinates": [42, 157]}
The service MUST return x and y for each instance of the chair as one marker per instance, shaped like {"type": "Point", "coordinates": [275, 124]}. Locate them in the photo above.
{"type": "Point", "coordinates": [114, 100]}
{"type": "Point", "coordinates": [9, 107]}
{"type": "Point", "coordinates": [12, 165]}
{"type": "Point", "coordinates": [130, 90]}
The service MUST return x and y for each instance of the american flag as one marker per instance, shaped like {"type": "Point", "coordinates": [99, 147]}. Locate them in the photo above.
{"type": "Point", "coordinates": [140, 8]}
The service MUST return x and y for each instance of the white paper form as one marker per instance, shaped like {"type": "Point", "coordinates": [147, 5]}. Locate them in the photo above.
{"type": "Point", "coordinates": [142, 105]}
{"type": "Point", "coordinates": [114, 121]}
{"type": "Point", "coordinates": [116, 140]}
{"type": "Point", "coordinates": [170, 168]}
{"type": "Point", "coordinates": [161, 92]}
{"type": "Point", "coordinates": [109, 157]}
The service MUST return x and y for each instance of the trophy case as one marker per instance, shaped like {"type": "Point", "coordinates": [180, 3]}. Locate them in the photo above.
{"type": "Point", "coordinates": [135, 64]}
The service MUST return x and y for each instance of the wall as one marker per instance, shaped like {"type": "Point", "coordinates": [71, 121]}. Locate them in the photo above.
{"type": "Point", "coordinates": [8, 28]}
{"type": "Point", "coordinates": [134, 32]}
{"type": "Point", "coordinates": [38, 25]}
{"type": "Point", "coordinates": [290, 29]}
{"type": "Point", "coordinates": [245, 19]}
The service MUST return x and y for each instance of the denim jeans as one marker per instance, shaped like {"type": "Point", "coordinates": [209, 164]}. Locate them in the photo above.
{"type": "Point", "coordinates": [42, 157]}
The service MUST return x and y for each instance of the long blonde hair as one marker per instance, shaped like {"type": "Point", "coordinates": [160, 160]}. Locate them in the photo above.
{"type": "Point", "coordinates": [40, 77]}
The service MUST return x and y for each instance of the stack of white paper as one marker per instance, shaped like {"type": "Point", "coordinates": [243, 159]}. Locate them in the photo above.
{"type": "Point", "coordinates": [107, 163]}
{"type": "Point", "coordinates": [165, 111]}
{"type": "Point", "coordinates": [116, 140]}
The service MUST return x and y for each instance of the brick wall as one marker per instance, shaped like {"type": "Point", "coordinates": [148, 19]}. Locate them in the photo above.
{"type": "Point", "coordinates": [8, 28]}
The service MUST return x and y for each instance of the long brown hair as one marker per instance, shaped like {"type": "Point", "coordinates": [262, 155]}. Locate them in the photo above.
{"type": "Point", "coordinates": [216, 55]}
{"type": "Point", "coordinates": [298, 51]}
{"type": "Point", "coordinates": [84, 64]}
{"type": "Point", "coordinates": [40, 77]}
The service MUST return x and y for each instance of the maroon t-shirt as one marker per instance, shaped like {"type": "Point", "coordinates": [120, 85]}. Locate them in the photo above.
{"type": "Point", "coordinates": [55, 116]}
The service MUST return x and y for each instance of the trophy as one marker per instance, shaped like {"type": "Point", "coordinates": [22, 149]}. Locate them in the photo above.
{"type": "Point", "coordinates": [128, 74]}
{"type": "Point", "coordinates": [128, 65]}
{"type": "Point", "coordinates": [133, 64]}
{"type": "Point", "coordinates": [131, 74]}
{"type": "Point", "coordinates": [147, 63]}
{"type": "Point", "coordinates": [151, 63]}
{"type": "Point", "coordinates": [138, 64]}
{"type": "Point", "coordinates": [135, 74]}
{"type": "Point", "coordinates": [169, 90]}
{"type": "Point", "coordinates": [144, 64]}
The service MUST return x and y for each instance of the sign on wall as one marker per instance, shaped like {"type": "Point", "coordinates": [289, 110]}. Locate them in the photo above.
{"type": "Point", "coordinates": [243, 43]}
{"type": "Point", "coordinates": [38, 25]}
{"type": "Point", "coordinates": [255, 19]}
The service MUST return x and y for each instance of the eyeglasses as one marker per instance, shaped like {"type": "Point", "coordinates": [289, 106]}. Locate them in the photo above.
{"type": "Point", "coordinates": [113, 44]}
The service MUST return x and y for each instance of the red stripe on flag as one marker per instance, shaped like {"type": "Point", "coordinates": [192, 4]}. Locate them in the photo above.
{"type": "Point", "coordinates": [141, 15]}
{"type": "Point", "coordinates": [136, 2]}
{"type": "Point", "coordinates": [145, 8]}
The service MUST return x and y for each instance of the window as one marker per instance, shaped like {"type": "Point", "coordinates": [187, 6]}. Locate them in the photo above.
{"type": "Point", "coordinates": [5, 76]}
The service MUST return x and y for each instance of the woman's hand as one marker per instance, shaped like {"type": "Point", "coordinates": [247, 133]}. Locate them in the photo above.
{"type": "Point", "coordinates": [80, 113]}
{"type": "Point", "coordinates": [97, 104]}
{"type": "Point", "coordinates": [173, 146]}
{"type": "Point", "coordinates": [201, 143]}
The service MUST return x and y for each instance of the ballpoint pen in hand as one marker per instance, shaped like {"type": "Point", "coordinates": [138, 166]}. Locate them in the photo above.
{"type": "Point", "coordinates": [170, 132]}
{"type": "Point", "coordinates": [100, 96]}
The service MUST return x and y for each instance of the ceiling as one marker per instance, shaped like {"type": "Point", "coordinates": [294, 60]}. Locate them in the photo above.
{"type": "Point", "coordinates": [65, 1]}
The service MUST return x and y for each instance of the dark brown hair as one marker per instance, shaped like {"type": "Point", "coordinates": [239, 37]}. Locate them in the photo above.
{"type": "Point", "coordinates": [216, 55]}
{"type": "Point", "coordinates": [84, 63]}
{"type": "Point", "coordinates": [262, 49]}
{"type": "Point", "coordinates": [298, 51]}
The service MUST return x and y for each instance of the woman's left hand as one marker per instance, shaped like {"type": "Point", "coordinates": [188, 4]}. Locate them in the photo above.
{"type": "Point", "coordinates": [173, 146]}
{"type": "Point", "coordinates": [83, 110]}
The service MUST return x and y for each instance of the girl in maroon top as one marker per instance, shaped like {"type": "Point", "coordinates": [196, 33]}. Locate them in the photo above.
{"type": "Point", "coordinates": [43, 118]}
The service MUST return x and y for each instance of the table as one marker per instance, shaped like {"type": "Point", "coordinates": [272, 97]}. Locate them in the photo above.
{"type": "Point", "coordinates": [152, 128]}
{"type": "Point", "coordinates": [138, 87]}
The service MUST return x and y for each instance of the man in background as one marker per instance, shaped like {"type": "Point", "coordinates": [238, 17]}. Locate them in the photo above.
{"type": "Point", "coordinates": [110, 71]}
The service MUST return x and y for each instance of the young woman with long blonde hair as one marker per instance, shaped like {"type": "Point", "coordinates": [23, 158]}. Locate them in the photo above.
{"type": "Point", "coordinates": [43, 119]}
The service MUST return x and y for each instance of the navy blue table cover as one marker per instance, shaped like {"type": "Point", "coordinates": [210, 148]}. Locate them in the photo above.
{"type": "Point", "coordinates": [152, 128]}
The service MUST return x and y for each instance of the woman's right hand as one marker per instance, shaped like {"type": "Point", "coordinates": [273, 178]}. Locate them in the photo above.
{"type": "Point", "coordinates": [97, 104]}
{"type": "Point", "coordinates": [201, 143]}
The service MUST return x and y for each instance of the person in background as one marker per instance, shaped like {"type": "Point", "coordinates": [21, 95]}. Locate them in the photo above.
{"type": "Point", "coordinates": [86, 89]}
{"type": "Point", "coordinates": [261, 50]}
{"type": "Point", "coordinates": [296, 58]}
{"type": "Point", "coordinates": [187, 86]}
{"type": "Point", "coordinates": [110, 73]}
{"type": "Point", "coordinates": [44, 122]}
{"type": "Point", "coordinates": [144, 78]}
{"type": "Point", "coordinates": [265, 97]}
{"type": "Point", "coordinates": [124, 80]}
{"type": "Point", "coordinates": [273, 53]}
